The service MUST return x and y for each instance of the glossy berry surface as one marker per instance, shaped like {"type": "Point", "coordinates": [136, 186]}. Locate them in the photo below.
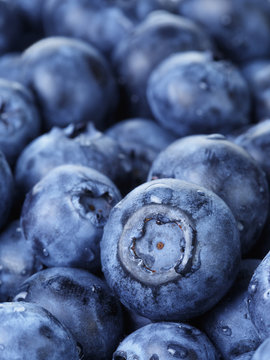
{"type": "Point", "coordinates": [224, 168]}
{"type": "Point", "coordinates": [29, 332]}
{"type": "Point", "coordinates": [258, 298]}
{"type": "Point", "coordinates": [159, 252]}
{"type": "Point", "coordinates": [166, 341]}
{"type": "Point", "coordinates": [108, 24]}
{"type": "Point", "coordinates": [240, 28]}
{"type": "Point", "coordinates": [64, 214]}
{"type": "Point", "coordinates": [19, 119]}
{"type": "Point", "coordinates": [158, 36]}
{"type": "Point", "coordinates": [192, 93]}
{"type": "Point", "coordinates": [83, 303]}
{"type": "Point", "coordinates": [141, 140]}
{"type": "Point", "coordinates": [17, 261]}
{"type": "Point", "coordinates": [71, 81]}
{"type": "Point", "coordinates": [78, 144]}
{"type": "Point", "coordinates": [228, 324]}
{"type": "Point", "coordinates": [262, 353]}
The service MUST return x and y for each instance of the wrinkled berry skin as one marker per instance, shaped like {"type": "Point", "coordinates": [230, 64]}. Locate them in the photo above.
{"type": "Point", "coordinates": [228, 324]}
{"type": "Point", "coordinates": [17, 261]}
{"type": "Point", "coordinates": [102, 25]}
{"type": "Point", "coordinates": [257, 74]}
{"type": "Point", "coordinates": [19, 119]}
{"type": "Point", "coordinates": [71, 81]}
{"type": "Point", "coordinates": [79, 145]}
{"type": "Point", "coordinates": [240, 28]}
{"type": "Point", "coordinates": [83, 303]}
{"type": "Point", "coordinates": [258, 299]}
{"type": "Point", "coordinates": [29, 332]}
{"type": "Point", "coordinates": [166, 341]}
{"type": "Point", "coordinates": [64, 214]}
{"type": "Point", "coordinates": [224, 168]}
{"type": "Point", "coordinates": [158, 36]}
{"type": "Point", "coordinates": [191, 93]}
{"type": "Point", "coordinates": [6, 189]}
{"type": "Point", "coordinates": [159, 252]}
{"type": "Point", "coordinates": [141, 140]}
{"type": "Point", "coordinates": [262, 353]}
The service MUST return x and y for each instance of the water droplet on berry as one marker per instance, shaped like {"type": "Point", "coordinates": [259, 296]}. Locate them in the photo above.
{"type": "Point", "coordinates": [266, 295]}
{"type": "Point", "coordinates": [19, 309]}
{"type": "Point", "coordinates": [155, 199]}
{"type": "Point", "coordinates": [45, 252]}
{"type": "Point", "coordinates": [203, 85]}
{"type": "Point", "coordinates": [226, 330]}
{"type": "Point", "coordinates": [2, 347]}
{"type": "Point", "coordinates": [240, 226]}
{"type": "Point", "coordinates": [253, 288]}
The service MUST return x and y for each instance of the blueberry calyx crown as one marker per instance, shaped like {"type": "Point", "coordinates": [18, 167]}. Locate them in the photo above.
{"type": "Point", "coordinates": [157, 244]}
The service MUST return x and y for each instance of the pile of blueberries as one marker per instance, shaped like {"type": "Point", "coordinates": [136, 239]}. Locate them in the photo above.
{"type": "Point", "coordinates": [134, 179]}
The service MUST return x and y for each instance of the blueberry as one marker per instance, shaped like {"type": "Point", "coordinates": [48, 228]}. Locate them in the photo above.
{"type": "Point", "coordinates": [240, 28]}
{"type": "Point", "coordinates": [258, 298]}
{"type": "Point", "coordinates": [76, 144]}
{"type": "Point", "coordinates": [17, 261]}
{"type": "Point", "coordinates": [226, 169]}
{"type": "Point", "coordinates": [165, 341]}
{"type": "Point", "coordinates": [19, 119]}
{"type": "Point", "coordinates": [262, 353]}
{"type": "Point", "coordinates": [160, 35]}
{"type": "Point", "coordinates": [83, 303]}
{"type": "Point", "coordinates": [141, 140]}
{"type": "Point", "coordinates": [71, 81]}
{"type": "Point", "coordinates": [170, 250]}
{"type": "Point", "coordinates": [255, 140]}
{"type": "Point", "coordinates": [29, 332]}
{"type": "Point", "coordinates": [64, 214]}
{"type": "Point", "coordinates": [228, 324]}
{"type": "Point", "coordinates": [257, 74]}
{"type": "Point", "coordinates": [100, 24]}
{"type": "Point", "coordinates": [191, 93]}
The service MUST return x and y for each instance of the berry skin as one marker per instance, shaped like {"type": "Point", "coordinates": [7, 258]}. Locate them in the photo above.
{"type": "Point", "coordinates": [258, 298]}
{"type": "Point", "coordinates": [83, 303]}
{"type": "Point", "coordinates": [166, 341]}
{"type": "Point", "coordinates": [190, 93]}
{"type": "Point", "coordinates": [29, 332]}
{"type": "Point", "coordinates": [19, 119]}
{"type": "Point", "coordinates": [64, 214]}
{"type": "Point", "coordinates": [224, 168]}
{"type": "Point", "coordinates": [240, 28]}
{"type": "Point", "coordinates": [17, 261]}
{"type": "Point", "coordinates": [153, 40]}
{"type": "Point", "coordinates": [71, 81]}
{"type": "Point", "coordinates": [170, 250]}
{"type": "Point", "coordinates": [228, 324]}
{"type": "Point", "coordinates": [262, 353]}
{"type": "Point", "coordinates": [78, 144]}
